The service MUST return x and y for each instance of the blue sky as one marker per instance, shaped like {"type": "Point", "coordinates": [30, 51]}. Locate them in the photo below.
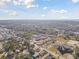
{"type": "Point", "coordinates": [39, 9]}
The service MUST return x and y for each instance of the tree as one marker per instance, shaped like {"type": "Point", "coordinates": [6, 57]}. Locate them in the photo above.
{"type": "Point", "coordinates": [27, 37]}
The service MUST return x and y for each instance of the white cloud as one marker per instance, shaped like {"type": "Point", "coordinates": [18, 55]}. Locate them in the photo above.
{"type": "Point", "coordinates": [27, 3]}
{"type": "Point", "coordinates": [75, 1]}
{"type": "Point", "coordinates": [62, 11]}
{"type": "Point", "coordinates": [31, 6]}
{"type": "Point", "coordinates": [22, 2]}
{"type": "Point", "coordinates": [45, 8]}
{"type": "Point", "coordinates": [57, 14]}
{"type": "Point", "coordinates": [14, 13]}
{"type": "Point", "coordinates": [11, 13]}
{"type": "Point", "coordinates": [16, 2]}
{"type": "Point", "coordinates": [43, 15]}
{"type": "Point", "coordinates": [4, 2]}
